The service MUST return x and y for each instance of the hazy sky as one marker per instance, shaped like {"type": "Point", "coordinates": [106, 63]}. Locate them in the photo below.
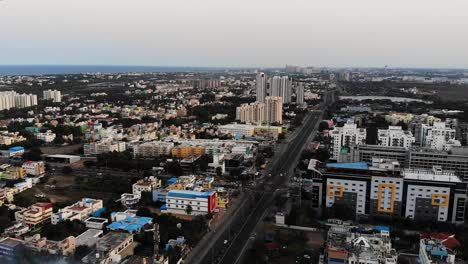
{"type": "Point", "coordinates": [409, 33]}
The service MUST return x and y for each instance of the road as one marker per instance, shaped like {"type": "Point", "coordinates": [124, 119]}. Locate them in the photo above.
{"type": "Point", "coordinates": [229, 244]}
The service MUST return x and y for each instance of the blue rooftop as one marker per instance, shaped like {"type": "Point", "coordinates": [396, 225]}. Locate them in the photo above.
{"type": "Point", "coordinates": [131, 223]}
{"type": "Point", "coordinates": [172, 180]}
{"type": "Point", "coordinates": [189, 194]}
{"type": "Point", "coordinates": [349, 165]}
{"type": "Point", "coordinates": [382, 228]}
{"type": "Point", "coordinates": [15, 149]}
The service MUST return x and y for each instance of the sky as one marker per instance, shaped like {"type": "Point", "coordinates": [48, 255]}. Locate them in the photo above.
{"type": "Point", "coordinates": [236, 33]}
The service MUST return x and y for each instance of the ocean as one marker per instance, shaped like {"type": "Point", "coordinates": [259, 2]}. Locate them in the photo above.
{"type": "Point", "coordinates": [76, 69]}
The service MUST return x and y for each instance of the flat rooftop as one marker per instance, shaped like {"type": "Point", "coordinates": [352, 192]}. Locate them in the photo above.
{"type": "Point", "coordinates": [429, 175]}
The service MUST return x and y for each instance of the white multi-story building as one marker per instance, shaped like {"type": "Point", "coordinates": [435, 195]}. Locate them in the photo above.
{"type": "Point", "coordinates": [47, 137]}
{"type": "Point", "coordinates": [146, 185]}
{"type": "Point", "coordinates": [275, 86]}
{"type": "Point", "coordinates": [201, 202]}
{"type": "Point", "coordinates": [237, 130]}
{"type": "Point", "coordinates": [77, 211]}
{"type": "Point", "coordinates": [11, 99]}
{"type": "Point", "coordinates": [35, 168]}
{"type": "Point", "coordinates": [439, 136]}
{"type": "Point", "coordinates": [261, 87]}
{"type": "Point", "coordinates": [346, 135]}
{"type": "Point", "coordinates": [300, 94]}
{"type": "Point", "coordinates": [54, 95]}
{"type": "Point", "coordinates": [153, 149]}
{"type": "Point", "coordinates": [395, 136]}
{"type": "Point", "coordinates": [286, 90]}
{"type": "Point", "coordinates": [96, 148]}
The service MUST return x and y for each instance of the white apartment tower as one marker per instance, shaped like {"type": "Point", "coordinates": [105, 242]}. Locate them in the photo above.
{"type": "Point", "coordinates": [439, 136]}
{"type": "Point", "coordinates": [286, 89]}
{"type": "Point", "coordinates": [275, 86]}
{"type": "Point", "coordinates": [54, 95]}
{"type": "Point", "coordinates": [345, 136]}
{"type": "Point", "coordinates": [395, 136]}
{"type": "Point", "coordinates": [11, 99]}
{"type": "Point", "coordinates": [300, 94]}
{"type": "Point", "coordinates": [261, 87]}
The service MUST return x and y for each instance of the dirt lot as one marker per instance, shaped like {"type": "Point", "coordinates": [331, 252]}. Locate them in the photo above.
{"type": "Point", "coordinates": [70, 149]}
{"type": "Point", "coordinates": [60, 189]}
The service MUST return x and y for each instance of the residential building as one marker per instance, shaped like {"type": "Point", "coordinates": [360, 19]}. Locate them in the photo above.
{"type": "Point", "coordinates": [47, 137]}
{"type": "Point", "coordinates": [130, 200]}
{"type": "Point", "coordinates": [119, 216]}
{"type": "Point", "coordinates": [300, 94]}
{"type": "Point", "coordinates": [11, 99]}
{"type": "Point", "coordinates": [435, 248]}
{"type": "Point", "coordinates": [439, 136]}
{"type": "Point", "coordinates": [34, 168]}
{"type": "Point", "coordinates": [396, 118]}
{"type": "Point", "coordinates": [16, 230]}
{"type": "Point", "coordinates": [89, 237]}
{"type": "Point", "coordinates": [261, 84]}
{"type": "Point", "coordinates": [153, 149]}
{"type": "Point", "coordinates": [395, 136]}
{"type": "Point", "coordinates": [97, 148]}
{"type": "Point", "coordinates": [343, 137]}
{"type": "Point", "coordinates": [79, 210]}
{"type": "Point", "coordinates": [147, 184]}
{"type": "Point", "coordinates": [54, 95]}
{"type": "Point", "coordinates": [113, 247]}
{"type": "Point", "coordinates": [132, 224]}
{"type": "Point", "coordinates": [201, 203]}
{"type": "Point", "coordinates": [36, 243]}
{"type": "Point", "coordinates": [182, 151]}
{"type": "Point", "coordinates": [11, 250]}
{"type": "Point", "coordinates": [36, 214]}
{"type": "Point", "coordinates": [286, 90]}
{"type": "Point", "coordinates": [253, 113]}
{"type": "Point", "coordinates": [6, 195]}
{"type": "Point", "coordinates": [359, 245]}
{"type": "Point", "coordinates": [273, 110]}
{"type": "Point", "coordinates": [96, 222]}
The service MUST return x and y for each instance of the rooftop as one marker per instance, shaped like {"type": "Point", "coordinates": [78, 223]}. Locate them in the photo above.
{"type": "Point", "coordinates": [189, 194]}
{"type": "Point", "coordinates": [131, 223]}
{"type": "Point", "coordinates": [111, 240]}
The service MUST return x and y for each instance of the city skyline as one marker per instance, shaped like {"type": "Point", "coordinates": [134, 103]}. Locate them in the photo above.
{"type": "Point", "coordinates": [420, 34]}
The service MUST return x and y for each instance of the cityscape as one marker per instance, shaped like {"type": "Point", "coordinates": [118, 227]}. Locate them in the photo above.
{"type": "Point", "coordinates": [302, 157]}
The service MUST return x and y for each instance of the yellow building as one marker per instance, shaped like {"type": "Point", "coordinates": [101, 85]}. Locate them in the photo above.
{"type": "Point", "coordinates": [222, 201]}
{"type": "Point", "coordinates": [12, 173]}
{"type": "Point", "coordinates": [183, 152]}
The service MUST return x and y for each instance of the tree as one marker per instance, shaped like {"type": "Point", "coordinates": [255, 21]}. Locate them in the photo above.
{"type": "Point", "coordinates": [188, 209]}
{"type": "Point", "coordinates": [81, 251]}
{"type": "Point", "coordinates": [144, 211]}
{"type": "Point", "coordinates": [219, 171]}
{"type": "Point", "coordinates": [67, 170]}
{"type": "Point", "coordinates": [34, 154]}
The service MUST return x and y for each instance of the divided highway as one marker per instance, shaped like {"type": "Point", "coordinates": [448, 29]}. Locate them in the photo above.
{"type": "Point", "coordinates": [229, 244]}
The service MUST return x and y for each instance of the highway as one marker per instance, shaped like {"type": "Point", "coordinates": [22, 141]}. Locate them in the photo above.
{"type": "Point", "coordinates": [231, 241]}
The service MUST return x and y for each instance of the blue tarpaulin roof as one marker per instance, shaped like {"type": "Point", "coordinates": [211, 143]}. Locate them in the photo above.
{"type": "Point", "coordinates": [131, 223]}
{"type": "Point", "coordinates": [172, 180]}
{"type": "Point", "coordinates": [98, 212]}
{"type": "Point", "coordinates": [349, 165]}
{"type": "Point", "coordinates": [382, 228]}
